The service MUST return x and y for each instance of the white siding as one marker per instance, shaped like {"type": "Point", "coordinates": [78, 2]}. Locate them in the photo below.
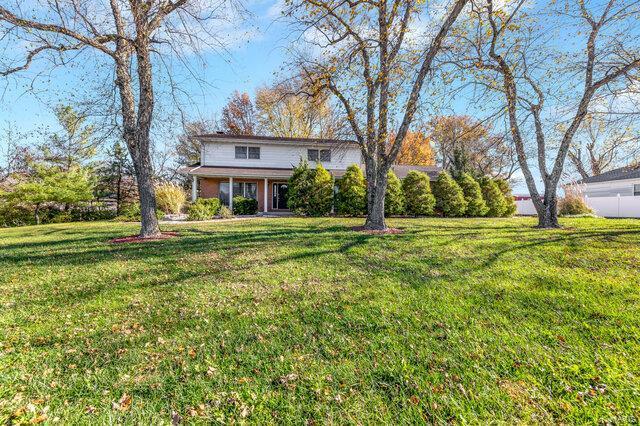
{"type": "Point", "coordinates": [610, 188]}
{"type": "Point", "coordinates": [276, 155]}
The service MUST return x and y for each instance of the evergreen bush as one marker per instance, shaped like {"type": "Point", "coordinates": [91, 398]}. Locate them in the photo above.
{"type": "Point", "coordinates": [494, 198]}
{"type": "Point", "coordinates": [321, 199]}
{"type": "Point", "coordinates": [351, 199]}
{"type": "Point", "coordinates": [203, 209]}
{"type": "Point", "coordinates": [512, 208]}
{"type": "Point", "coordinates": [300, 188]}
{"type": "Point", "coordinates": [244, 206]}
{"type": "Point", "coordinates": [394, 196]}
{"type": "Point", "coordinates": [450, 200]}
{"type": "Point", "coordinates": [419, 201]}
{"type": "Point", "coordinates": [476, 206]}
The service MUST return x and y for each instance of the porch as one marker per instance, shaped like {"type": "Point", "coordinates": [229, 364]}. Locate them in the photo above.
{"type": "Point", "coordinates": [270, 193]}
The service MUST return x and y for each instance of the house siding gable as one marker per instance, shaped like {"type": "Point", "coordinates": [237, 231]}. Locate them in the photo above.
{"type": "Point", "coordinates": [276, 155]}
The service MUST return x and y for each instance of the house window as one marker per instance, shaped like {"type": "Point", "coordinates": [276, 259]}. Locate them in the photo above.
{"type": "Point", "coordinates": [254, 152]}
{"type": "Point", "coordinates": [636, 190]}
{"type": "Point", "coordinates": [241, 152]}
{"type": "Point", "coordinates": [319, 155]}
{"type": "Point", "coordinates": [243, 189]}
{"type": "Point", "coordinates": [250, 152]}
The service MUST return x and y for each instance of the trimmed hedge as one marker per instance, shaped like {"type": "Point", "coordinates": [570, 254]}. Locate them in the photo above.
{"type": "Point", "coordinates": [351, 199]}
{"type": "Point", "coordinates": [419, 201]}
{"type": "Point", "coordinates": [450, 200]}
{"type": "Point", "coordinates": [244, 206]}
{"type": "Point", "coordinates": [203, 209]}
{"type": "Point", "coordinates": [476, 205]}
{"type": "Point", "coordinates": [394, 196]}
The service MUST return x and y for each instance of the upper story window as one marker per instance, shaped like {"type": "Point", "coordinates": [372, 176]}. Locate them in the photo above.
{"type": "Point", "coordinates": [319, 155]}
{"type": "Point", "coordinates": [636, 190]}
{"type": "Point", "coordinates": [250, 152]}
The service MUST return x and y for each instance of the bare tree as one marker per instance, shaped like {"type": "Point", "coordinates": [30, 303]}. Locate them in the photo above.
{"type": "Point", "coordinates": [374, 57]}
{"type": "Point", "coordinates": [132, 36]}
{"type": "Point", "coordinates": [601, 145]}
{"type": "Point", "coordinates": [461, 139]}
{"type": "Point", "coordinates": [516, 59]}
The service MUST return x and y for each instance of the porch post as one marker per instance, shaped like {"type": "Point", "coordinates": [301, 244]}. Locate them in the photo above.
{"type": "Point", "coordinates": [266, 192]}
{"type": "Point", "coordinates": [231, 194]}
{"type": "Point", "coordinates": [194, 189]}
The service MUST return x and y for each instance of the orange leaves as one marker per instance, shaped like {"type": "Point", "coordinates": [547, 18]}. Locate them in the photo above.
{"type": "Point", "coordinates": [123, 404]}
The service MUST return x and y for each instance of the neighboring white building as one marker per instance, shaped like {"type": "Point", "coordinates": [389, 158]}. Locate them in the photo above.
{"type": "Point", "coordinates": [613, 194]}
{"type": "Point", "coordinates": [259, 167]}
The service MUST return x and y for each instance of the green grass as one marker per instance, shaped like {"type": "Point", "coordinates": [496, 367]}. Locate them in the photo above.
{"type": "Point", "coordinates": [294, 320]}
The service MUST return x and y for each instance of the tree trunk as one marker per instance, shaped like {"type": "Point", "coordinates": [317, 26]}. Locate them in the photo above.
{"type": "Point", "coordinates": [37, 214]}
{"type": "Point", "coordinates": [375, 217]}
{"type": "Point", "coordinates": [142, 166]}
{"type": "Point", "coordinates": [548, 210]}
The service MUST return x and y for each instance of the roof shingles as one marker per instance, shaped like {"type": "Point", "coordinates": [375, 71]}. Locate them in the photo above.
{"type": "Point", "coordinates": [627, 172]}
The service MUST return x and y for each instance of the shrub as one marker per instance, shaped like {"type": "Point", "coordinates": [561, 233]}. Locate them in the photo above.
{"type": "Point", "coordinates": [244, 206]}
{"type": "Point", "coordinates": [394, 196]}
{"type": "Point", "coordinates": [131, 213]}
{"type": "Point", "coordinates": [512, 208]}
{"type": "Point", "coordinates": [12, 215]}
{"type": "Point", "coordinates": [170, 198]}
{"type": "Point", "coordinates": [573, 204]}
{"type": "Point", "coordinates": [203, 209]}
{"type": "Point", "coordinates": [225, 213]}
{"type": "Point", "coordinates": [450, 200]}
{"type": "Point", "coordinates": [419, 201]}
{"type": "Point", "coordinates": [476, 205]}
{"type": "Point", "coordinates": [351, 199]}
{"type": "Point", "coordinates": [321, 198]}
{"type": "Point", "coordinates": [494, 198]}
{"type": "Point", "coordinates": [300, 188]}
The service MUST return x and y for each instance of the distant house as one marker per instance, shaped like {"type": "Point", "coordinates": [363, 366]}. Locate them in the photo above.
{"type": "Point", "coordinates": [259, 167]}
{"type": "Point", "coordinates": [624, 182]}
{"type": "Point", "coordinates": [615, 193]}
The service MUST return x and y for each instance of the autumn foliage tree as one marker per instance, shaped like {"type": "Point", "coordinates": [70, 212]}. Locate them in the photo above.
{"type": "Point", "coordinates": [239, 115]}
{"type": "Point", "coordinates": [285, 110]}
{"type": "Point", "coordinates": [465, 145]}
{"type": "Point", "coordinates": [416, 150]}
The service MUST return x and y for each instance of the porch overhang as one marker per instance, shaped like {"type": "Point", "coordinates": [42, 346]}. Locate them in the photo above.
{"type": "Point", "coordinates": [242, 172]}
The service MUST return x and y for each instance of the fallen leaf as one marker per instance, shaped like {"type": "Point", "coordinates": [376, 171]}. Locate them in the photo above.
{"type": "Point", "coordinates": [123, 404]}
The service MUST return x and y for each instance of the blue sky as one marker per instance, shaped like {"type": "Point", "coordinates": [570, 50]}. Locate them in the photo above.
{"type": "Point", "coordinates": [255, 54]}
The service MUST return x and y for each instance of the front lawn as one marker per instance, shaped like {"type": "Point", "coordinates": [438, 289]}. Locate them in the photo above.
{"type": "Point", "coordinates": [302, 320]}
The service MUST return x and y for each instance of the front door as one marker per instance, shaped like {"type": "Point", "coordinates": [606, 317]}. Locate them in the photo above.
{"type": "Point", "coordinates": [280, 191]}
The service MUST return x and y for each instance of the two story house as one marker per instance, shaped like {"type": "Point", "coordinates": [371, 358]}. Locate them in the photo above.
{"type": "Point", "coordinates": [259, 167]}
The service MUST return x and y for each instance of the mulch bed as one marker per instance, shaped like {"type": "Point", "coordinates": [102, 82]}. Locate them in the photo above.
{"type": "Point", "coordinates": [388, 231]}
{"type": "Point", "coordinates": [138, 239]}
